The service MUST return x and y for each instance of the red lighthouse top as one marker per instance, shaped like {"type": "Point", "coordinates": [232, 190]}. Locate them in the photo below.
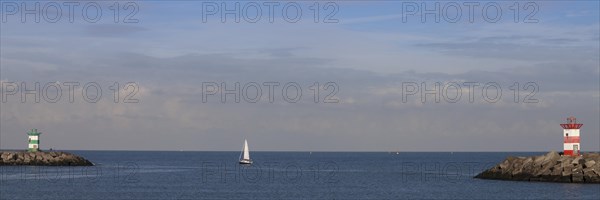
{"type": "Point", "coordinates": [572, 123]}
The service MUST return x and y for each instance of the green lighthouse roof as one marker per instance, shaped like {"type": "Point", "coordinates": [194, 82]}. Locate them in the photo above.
{"type": "Point", "coordinates": [33, 132]}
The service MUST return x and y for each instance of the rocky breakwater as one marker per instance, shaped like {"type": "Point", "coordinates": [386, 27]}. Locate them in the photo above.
{"type": "Point", "coordinates": [42, 159]}
{"type": "Point", "coordinates": [550, 167]}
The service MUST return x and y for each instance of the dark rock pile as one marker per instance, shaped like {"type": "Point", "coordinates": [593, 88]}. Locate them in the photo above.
{"type": "Point", "coordinates": [551, 167]}
{"type": "Point", "coordinates": [42, 159]}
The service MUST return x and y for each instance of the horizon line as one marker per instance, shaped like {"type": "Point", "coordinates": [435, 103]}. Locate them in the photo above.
{"type": "Point", "coordinates": [298, 151]}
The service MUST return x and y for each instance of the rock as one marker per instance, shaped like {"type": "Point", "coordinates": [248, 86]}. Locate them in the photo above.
{"type": "Point", "coordinates": [538, 160]}
{"type": "Point", "coordinates": [505, 164]}
{"type": "Point", "coordinates": [545, 171]}
{"type": "Point", "coordinates": [589, 176]}
{"type": "Point", "coordinates": [578, 161]}
{"type": "Point", "coordinates": [567, 171]}
{"type": "Point", "coordinates": [43, 159]}
{"type": "Point", "coordinates": [47, 157]}
{"type": "Point", "coordinates": [577, 175]}
{"type": "Point", "coordinates": [557, 171]}
{"type": "Point", "coordinates": [552, 175]}
{"type": "Point", "coordinates": [551, 167]}
{"type": "Point", "coordinates": [588, 171]}
{"type": "Point", "coordinates": [550, 158]}
{"type": "Point", "coordinates": [591, 156]}
{"type": "Point", "coordinates": [7, 156]}
{"type": "Point", "coordinates": [564, 179]}
{"type": "Point", "coordinates": [589, 164]}
{"type": "Point", "coordinates": [566, 161]}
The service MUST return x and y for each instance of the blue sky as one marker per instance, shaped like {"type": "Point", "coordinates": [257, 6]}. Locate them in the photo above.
{"type": "Point", "coordinates": [369, 54]}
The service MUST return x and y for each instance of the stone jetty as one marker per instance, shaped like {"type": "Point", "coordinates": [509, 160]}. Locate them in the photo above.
{"type": "Point", "coordinates": [551, 167]}
{"type": "Point", "coordinates": [41, 158]}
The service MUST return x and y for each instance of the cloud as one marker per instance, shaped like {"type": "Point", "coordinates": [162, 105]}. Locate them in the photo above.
{"type": "Point", "coordinates": [112, 30]}
{"type": "Point", "coordinates": [170, 61]}
{"type": "Point", "coordinates": [171, 110]}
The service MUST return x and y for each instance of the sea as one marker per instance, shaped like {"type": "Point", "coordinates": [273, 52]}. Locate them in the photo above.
{"type": "Point", "coordinates": [279, 175]}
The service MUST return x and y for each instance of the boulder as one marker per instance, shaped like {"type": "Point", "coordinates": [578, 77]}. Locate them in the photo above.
{"type": "Point", "coordinates": [567, 171]}
{"type": "Point", "coordinates": [538, 160]}
{"type": "Point", "coordinates": [504, 165]}
{"type": "Point", "coordinates": [550, 158]}
{"type": "Point", "coordinates": [589, 176]}
{"type": "Point", "coordinates": [553, 175]}
{"type": "Point", "coordinates": [589, 164]}
{"type": "Point", "coordinates": [8, 156]}
{"type": "Point", "coordinates": [46, 158]}
{"type": "Point", "coordinates": [578, 161]}
{"type": "Point", "coordinates": [596, 169]}
{"type": "Point", "coordinates": [566, 161]}
{"type": "Point", "coordinates": [556, 170]}
{"type": "Point", "coordinates": [577, 175]}
{"type": "Point", "coordinates": [545, 171]}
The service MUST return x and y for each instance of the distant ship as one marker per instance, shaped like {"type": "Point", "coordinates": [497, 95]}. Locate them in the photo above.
{"type": "Point", "coordinates": [245, 155]}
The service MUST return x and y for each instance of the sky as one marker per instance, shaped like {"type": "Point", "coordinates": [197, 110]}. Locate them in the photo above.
{"type": "Point", "coordinates": [373, 75]}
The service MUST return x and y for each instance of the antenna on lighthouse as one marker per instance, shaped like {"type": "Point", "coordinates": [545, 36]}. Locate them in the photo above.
{"type": "Point", "coordinates": [572, 120]}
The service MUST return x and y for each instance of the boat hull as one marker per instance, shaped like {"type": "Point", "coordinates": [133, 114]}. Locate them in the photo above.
{"type": "Point", "coordinates": [245, 162]}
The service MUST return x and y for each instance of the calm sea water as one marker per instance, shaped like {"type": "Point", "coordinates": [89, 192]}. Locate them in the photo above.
{"type": "Point", "coordinates": [278, 175]}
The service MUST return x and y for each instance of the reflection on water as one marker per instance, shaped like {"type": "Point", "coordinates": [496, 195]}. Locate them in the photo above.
{"type": "Point", "coordinates": [278, 175]}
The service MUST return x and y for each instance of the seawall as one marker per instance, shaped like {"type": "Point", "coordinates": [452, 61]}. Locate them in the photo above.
{"type": "Point", "coordinates": [40, 158]}
{"type": "Point", "coordinates": [550, 167]}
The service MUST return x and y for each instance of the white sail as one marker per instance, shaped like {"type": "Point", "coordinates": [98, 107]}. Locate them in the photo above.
{"type": "Point", "coordinates": [246, 154]}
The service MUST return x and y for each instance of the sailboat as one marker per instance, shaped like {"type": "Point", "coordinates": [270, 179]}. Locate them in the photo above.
{"type": "Point", "coordinates": [245, 155]}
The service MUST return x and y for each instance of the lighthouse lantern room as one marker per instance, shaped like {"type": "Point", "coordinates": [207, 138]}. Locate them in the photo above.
{"type": "Point", "coordinates": [571, 137]}
{"type": "Point", "coordinates": [34, 140]}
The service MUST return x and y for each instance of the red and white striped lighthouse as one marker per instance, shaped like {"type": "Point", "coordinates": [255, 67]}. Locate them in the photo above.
{"type": "Point", "coordinates": [571, 137]}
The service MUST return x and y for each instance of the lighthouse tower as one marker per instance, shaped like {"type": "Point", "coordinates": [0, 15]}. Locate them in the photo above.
{"type": "Point", "coordinates": [34, 140]}
{"type": "Point", "coordinates": [571, 137]}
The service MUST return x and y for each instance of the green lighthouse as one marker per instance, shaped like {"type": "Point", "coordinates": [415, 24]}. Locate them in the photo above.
{"type": "Point", "coordinates": [34, 140]}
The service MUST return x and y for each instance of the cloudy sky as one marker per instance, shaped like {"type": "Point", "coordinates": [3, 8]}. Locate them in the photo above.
{"type": "Point", "coordinates": [545, 61]}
